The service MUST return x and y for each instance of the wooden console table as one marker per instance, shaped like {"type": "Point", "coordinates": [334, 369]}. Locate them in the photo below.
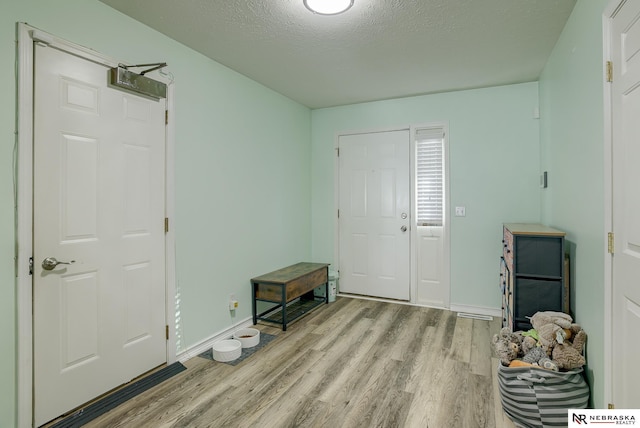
{"type": "Point", "coordinates": [285, 285]}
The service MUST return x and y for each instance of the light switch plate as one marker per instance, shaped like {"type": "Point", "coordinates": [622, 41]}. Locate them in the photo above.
{"type": "Point", "coordinates": [461, 211]}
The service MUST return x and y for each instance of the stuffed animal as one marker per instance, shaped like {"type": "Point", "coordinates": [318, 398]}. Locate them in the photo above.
{"type": "Point", "coordinates": [569, 355]}
{"type": "Point", "coordinates": [552, 327]}
{"type": "Point", "coordinates": [560, 319]}
{"type": "Point", "coordinates": [529, 340]}
{"type": "Point", "coordinates": [554, 343]}
{"type": "Point", "coordinates": [506, 345]}
{"type": "Point", "coordinates": [520, 363]}
{"type": "Point", "coordinates": [536, 356]}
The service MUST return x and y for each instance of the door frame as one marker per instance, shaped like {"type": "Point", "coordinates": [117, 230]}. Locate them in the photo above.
{"type": "Point", "coordinates": [413, 237]}
{"type": "Point", "coordinates": [26, 36]}
{"type": "Point", "coordinates": [412, 230]}
{"type": "Point", "coordinates": [607, 40]}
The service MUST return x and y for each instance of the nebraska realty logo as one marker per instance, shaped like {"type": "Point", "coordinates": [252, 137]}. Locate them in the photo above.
{"type": "Point", "coordinates": [599, 417]}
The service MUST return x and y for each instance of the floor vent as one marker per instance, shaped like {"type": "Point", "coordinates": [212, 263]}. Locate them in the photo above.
{"type": "Point", "coordinates": [475, 316]}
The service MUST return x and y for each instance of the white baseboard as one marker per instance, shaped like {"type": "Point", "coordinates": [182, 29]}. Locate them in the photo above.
{"type": "Point", "coordinates": [480, 310]}
{"type": "Point", "coordinates": [375, 299]}
{"type": "Point", "coordinates": [200, 347]}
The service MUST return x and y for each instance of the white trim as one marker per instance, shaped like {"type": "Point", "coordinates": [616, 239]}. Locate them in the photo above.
{"type": "Point", "coordinates": [413, 229]}
{"type": "Point", "coordinates": [170, 236]}
{"type": "Point", "coordinates": [206, 344]}
{"type": "Point", "coordinates": [377, 299]}
{"type": "Point", "coordinates": [608, 200]}
{"type": "Point", "coordinates": [24, 214]}
{"type": "Point", "coordinates": [465, 309]}
{"type": "Point", "coordinates": [24, 227]}
{"type": "Point", "coordinates": [336, 202]}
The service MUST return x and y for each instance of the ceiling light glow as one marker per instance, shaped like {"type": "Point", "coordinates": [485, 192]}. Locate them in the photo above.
{"type": "Point", "coordinates": [328, 7]}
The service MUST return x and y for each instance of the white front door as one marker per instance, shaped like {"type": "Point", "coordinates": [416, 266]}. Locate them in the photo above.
{"type": "Point", "coordinates": [626, 205]}
{"type": "Point", "coordinates": [99, 189]}
{"type": "Point", "coordinates": [375, 214]}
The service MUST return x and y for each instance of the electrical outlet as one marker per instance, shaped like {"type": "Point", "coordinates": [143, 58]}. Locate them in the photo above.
{"type": "Point", "coordinates": [233, 302]}
{"type": "Point", "coordinates": [233, 305]}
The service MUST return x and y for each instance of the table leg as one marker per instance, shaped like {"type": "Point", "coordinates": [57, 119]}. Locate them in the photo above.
{"type": "Point", "coordinates": [253, 303]}
{"type": "Point", "coordinates": [326, 290]}
{"type": "Point", "coordinates": [284, 308]}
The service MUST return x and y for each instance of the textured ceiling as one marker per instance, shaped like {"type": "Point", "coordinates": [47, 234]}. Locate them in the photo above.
{"type": "Point", "coordinates": [379, 49]}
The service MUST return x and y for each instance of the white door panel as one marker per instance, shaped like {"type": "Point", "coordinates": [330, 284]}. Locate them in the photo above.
{"type": "Point", "coordinates": [99, 202]}
{"type": "Point", "coordinates": [626, 205]}
{"type": "Point", "coordinates": [374, 195]}
{"type": "Point", "coordinates": [433, 290]}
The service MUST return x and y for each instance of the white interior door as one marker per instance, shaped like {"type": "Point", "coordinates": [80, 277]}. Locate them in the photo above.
{"type": "Point", "coordinates": [626, 205]}
{"type": "Point", "coordinates": [99, 191]}
{"type": "Point", "coordinates": [375, 214]}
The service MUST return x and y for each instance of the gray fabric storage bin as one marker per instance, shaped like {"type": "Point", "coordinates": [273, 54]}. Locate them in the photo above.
{"type": "Point", "coordinates": [538, 398]}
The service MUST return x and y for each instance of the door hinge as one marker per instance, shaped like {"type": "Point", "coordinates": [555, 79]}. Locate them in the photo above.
{"type": "Point", "coordinates": [166, 331]}
{"type": "Point", "coordinates": [166, 225]}
{"type": "Point", "coordinates": [609, 71]}
{"type": "Point", "coordinates": [30, 265]}
{"type": "Point", "coordinates": [338, 213]}
{"type": "Point", "coordinates": [338, 151]}
{"type": "Point", "coordinates": [611, 406]}
{"type": "Point", "coordinates": [166, 117]}
{"type": "Point", "coordinates": [610, 242]}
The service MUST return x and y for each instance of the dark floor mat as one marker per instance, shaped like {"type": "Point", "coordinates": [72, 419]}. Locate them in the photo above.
{"type": "Point", "coordinates": [111, 401]}
{"type": "Point", "coordinates": [246, 352]}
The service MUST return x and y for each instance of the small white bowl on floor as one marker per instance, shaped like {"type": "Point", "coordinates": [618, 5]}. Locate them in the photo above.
{"type": "Point", "coordinates": [249, 337]}
{"type": "Point", "coordinates": [226, 350]}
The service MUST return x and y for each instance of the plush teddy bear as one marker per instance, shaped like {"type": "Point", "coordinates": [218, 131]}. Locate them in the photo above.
{"type": "Point", "coordinates": [560, 319]}
{"type": "Point", "coordinates": [569, 355]}
{"type": "Point", "coordinates": [529, 341]}
{"type": "Point", "coordinates": [506, 345]}
{"type": "Point", "coordinates": [552, 328]}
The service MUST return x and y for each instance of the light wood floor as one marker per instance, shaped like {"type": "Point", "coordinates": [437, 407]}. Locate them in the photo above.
{"type": "Point", "coordinates": [352, 363]}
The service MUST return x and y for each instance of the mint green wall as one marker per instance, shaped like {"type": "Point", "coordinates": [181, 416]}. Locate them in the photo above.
{"type": "Point", "coordinates": [572, 150]}
{"type": "Point", "coordinates": [494, 161]}
{"type": "Point", "coordinates": [242, 170]}
{"type": "Point", "coordinates": [243, 183]}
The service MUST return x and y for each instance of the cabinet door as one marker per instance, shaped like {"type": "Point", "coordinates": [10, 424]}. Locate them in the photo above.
{"type": "Point", "coordinates": [539, 256]}
{"type": "Point", "coordinates": [533, 295]}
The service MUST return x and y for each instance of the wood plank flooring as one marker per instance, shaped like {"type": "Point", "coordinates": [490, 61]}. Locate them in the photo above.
{"type": "Point", "coordinates": [352, 363]}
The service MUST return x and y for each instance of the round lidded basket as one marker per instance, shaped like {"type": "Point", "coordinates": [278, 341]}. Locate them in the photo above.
{"type": "Point", "coordinates": [226, 350]}
{"type": "Point", "coordinates": [249, 337]}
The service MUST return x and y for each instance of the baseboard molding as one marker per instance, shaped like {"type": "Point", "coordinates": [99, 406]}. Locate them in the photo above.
{"type": "Point", "coordinates": [200, 347]}
{"type": "Point", "coordinates": [480, 310]}
{"type": "Point", "coordinates": [467, 309]}
{"type": "Point", "coordinates": [375, 299]}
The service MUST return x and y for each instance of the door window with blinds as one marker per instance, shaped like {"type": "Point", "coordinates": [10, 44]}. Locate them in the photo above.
{"type": "Point", "coordinates": [430, 176]}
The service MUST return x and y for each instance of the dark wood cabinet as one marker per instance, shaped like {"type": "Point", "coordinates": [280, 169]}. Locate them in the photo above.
{"type": "Point", "coordinates": [532, 274]}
